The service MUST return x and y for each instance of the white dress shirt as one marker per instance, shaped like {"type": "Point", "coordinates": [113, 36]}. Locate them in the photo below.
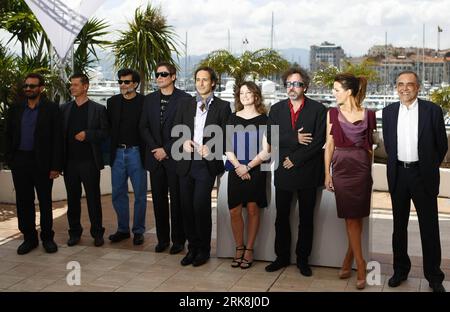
{"type": "Point", "coordinates": [408, 132]}
{"type": "Point", "coordinates": [199, 122]}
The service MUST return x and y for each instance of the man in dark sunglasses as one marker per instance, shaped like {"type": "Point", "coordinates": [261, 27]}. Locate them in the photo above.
{"type": "Point", "coordinates": [156, 125]}
{"type": "Point", "coordinates": [34, 154]}
{"type": "Point", "coordinates": [127, 157]}
{"type": "Point", "coordinates": [302, 123]}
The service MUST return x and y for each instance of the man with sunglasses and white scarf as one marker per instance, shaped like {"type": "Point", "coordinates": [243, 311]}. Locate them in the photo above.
{"type": "Point", "coordinates": [156, 125]}
{"type": "Point", "coordinates": [127, 157]}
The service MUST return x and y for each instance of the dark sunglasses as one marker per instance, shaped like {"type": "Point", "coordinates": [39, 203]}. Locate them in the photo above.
{"type": "Point", "coordinates": [296, 84]}
{"type": "Point", "coordinates": [162, 74]}
{"type": "Point", "coordinates": [31, 86]}
{"type": "Point", "coordinates": [127, 82]}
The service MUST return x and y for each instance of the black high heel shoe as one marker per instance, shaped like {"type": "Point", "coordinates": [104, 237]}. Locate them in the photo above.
{"type": "Point", "coordinates": [238, 260]}
{"type": "Point", "coordinates": [245, 263]}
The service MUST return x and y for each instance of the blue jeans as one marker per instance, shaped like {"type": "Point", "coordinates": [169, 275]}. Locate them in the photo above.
{"type": "Point", "coordinates": [127, 164]}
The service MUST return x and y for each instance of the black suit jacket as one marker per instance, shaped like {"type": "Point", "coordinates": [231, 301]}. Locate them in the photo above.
{"type": "Point", "coordinates": [48, 144]}
{"type": "Point", "coordinates": [432, 143]}
{"type": "Point", "coordinates": [218, 114]}
{"type": "Point", "coordinates": [97, 130]}
{"type": "Point", "coordinates": [152, 133]}
{"type": "Point", "coordinates": [113, 108]}
{"type": "Point", "coordinates": [308, 170]}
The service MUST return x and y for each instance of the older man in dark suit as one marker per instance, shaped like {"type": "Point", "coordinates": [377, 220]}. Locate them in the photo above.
{"type": "Point", "coordinates": [302, 124]}
{"type": "Point", "coordinates": [416, 143]}
{"type": "Point", "coordinates": [156, 124]}
{"type": "Point", "coordinates": [85, 127]}
{"type": "Point", "coordinates": [34, 154]}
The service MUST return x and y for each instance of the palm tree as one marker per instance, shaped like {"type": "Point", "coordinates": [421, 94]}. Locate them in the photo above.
{"type": "Point", "coordinates": [88, 38]}
{"type": "Point", "coordinates": [220, 60]}
{"type": "Point", "coordinates": [262, 62]}
{"type": "Point", "coordinates": [325, 76]}
{"type": "Point", "coordinates": [17, 19]}
{"type": "Point", "coordinates": [442, 98]}
{"type": "Point", "coordinates": [148, 41]}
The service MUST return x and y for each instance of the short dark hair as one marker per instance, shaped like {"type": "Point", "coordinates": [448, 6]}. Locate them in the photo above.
{"type": "Point", "coordinates": [212, 74]}
{"type": "Point", "coordinates": [83, 78]}
{"type": "Point", "coordinates": [297, 70]}
{"type": "Point", "coordinates": [128, 71]}
{"type": "Point", "coordinates": [409, 72]}
{"type": "Point", "coordinates": [36, 76]}
{"type": "Point", "coordinates": [172, 69]}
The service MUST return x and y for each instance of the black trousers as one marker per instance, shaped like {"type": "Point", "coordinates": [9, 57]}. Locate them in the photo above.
{"type": "Point", "coordinates": [26, 178]}
{"type": "Point", "coordinates": [162, 180]}
{"type": "Point", "coordinates": [85, 173]}
{"type": "Point", "coordinates": [409, 186]}
{"type": "Point", "coordinates": [195, 189]}
{"type": "Point", "coordinates": [306, 204]}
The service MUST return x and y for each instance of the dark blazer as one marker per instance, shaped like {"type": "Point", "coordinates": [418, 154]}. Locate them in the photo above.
{"type": "Point", "coordinates": [113, 108]}
{"type": "Point", "coordinates": [307, 159]}
{"type": "Point", "coordinates": [48, 139]}
{"type": "Point", "coordinates": [218, 114]}
{"type": "Point", "coordinates": [432, 143]}
{"type": "Point", "coordinates": [97, 130]}
{"type": "Point", "coordinates": [150, 126]}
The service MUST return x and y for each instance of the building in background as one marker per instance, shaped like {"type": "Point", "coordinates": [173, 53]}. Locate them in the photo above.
{"type": "Point", "coordinates": [325, 55]}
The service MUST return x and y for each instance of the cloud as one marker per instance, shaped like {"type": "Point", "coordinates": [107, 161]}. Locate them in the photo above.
{"type": "Point", "coordinates": [355, 25]}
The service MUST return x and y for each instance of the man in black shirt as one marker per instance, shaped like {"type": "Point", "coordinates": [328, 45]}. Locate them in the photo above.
{"type": "Point", "coordinates": [126, 157]}
{"type": "Point", "coordinates": [156, 124]}
{"type": "Point", "coordinates": [85, 126]}
{"type": "Point", "coordinates": [34, 154]}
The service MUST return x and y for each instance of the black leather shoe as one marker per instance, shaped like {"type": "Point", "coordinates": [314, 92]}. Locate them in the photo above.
{"type": "Point", "coordinates": [188, 259]}
{"type": "Point", "coordinates": [161, 247]}
{"type": "Point", "coordinates": [118, 236]}
{"type": "Point", "coordinates": [138, 239]}
{"type": "Point", "coordinates": [276, 265]}
{"type": "Point", "coordinates": [176, 248]}
{"type": "Point", "coordinates": [396, 280]}
{"type": "Point", "coordinates": [305, 269]}
{"type": "Point", "coordinates": [98, 241]}
{"type": "Point", "coordinates": [26, 247]}
{"type": "Point", "coordinates": [73, 240]}
{"type": "Point", "coordinates": [50, 246]}
{"type": "Point", "coordinates": [437, 287]}
{"type": "Point", "coordinates": [200, 259]}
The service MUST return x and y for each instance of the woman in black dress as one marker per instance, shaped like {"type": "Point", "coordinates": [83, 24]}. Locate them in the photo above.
{"type": "Point", "coordinates": [246, 149]}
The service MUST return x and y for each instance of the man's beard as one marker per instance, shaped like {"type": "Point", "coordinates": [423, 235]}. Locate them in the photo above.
{"type": "Point", "coordinates": [294, 96]}
{"type": "Point", "coordinates": [127, 91]}
{"type": "Point", "coordinates": [31, 96]}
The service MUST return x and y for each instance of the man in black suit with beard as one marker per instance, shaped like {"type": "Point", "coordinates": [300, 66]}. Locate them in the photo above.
{"type": "Point", "coordinates": [34, 154]}
{"type": "Point", "coordinates": [156, 125]}
{"type": "Point", "coordinates": [200, 164]}
{"type": "Point", "coordinates": [127, 157]}
{"type": "Point", "coordinates": [302, 124]}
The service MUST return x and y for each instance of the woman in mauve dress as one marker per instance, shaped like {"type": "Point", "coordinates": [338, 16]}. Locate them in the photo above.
{"type": "Point", "coordinates": [348, 164]}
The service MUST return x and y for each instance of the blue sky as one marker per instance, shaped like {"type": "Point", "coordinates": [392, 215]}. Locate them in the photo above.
{"type": "Point", "coordinates": [354, 24]}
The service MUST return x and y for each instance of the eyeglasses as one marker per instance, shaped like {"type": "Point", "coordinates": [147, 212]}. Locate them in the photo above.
{"type": "Point", "coordinates": [31, 86]}
{"type": "Point", "coordinates": [162, 74]}
{"type": "Point", "coordinates": [127, 82]}
{"type": "Point", "coordinates": [295, 84]}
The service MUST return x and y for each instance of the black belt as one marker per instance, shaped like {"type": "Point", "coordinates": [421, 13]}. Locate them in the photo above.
{"type": "Point", "coordinates": [125, 146]}
{"type": "Point", "coordinates": [408, 164]}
